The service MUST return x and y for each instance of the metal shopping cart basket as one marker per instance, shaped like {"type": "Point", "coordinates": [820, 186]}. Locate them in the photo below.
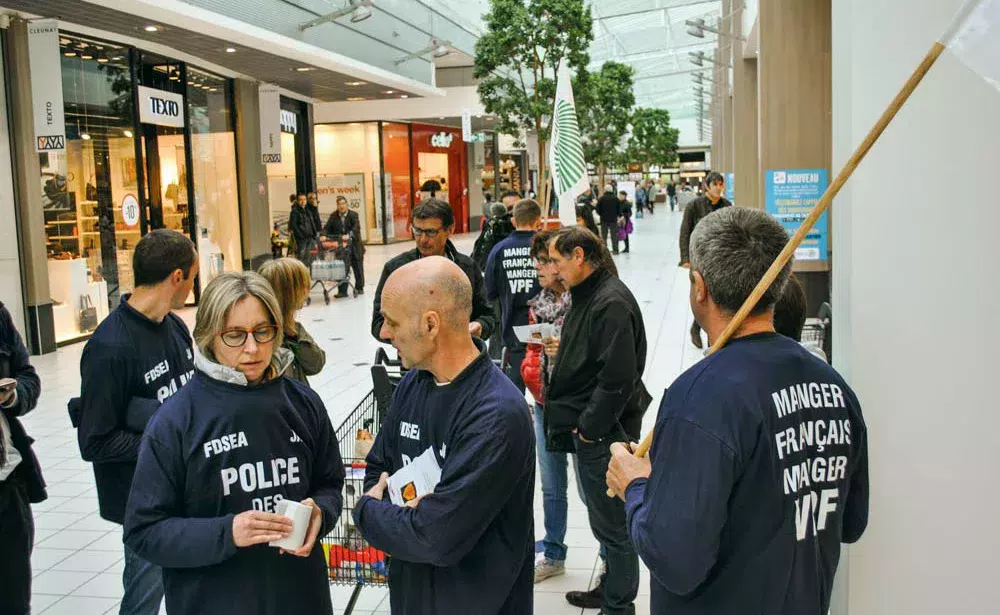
{"type": "Point", "coordinates": [350, 559]}
{"type": "Point", "coordinates": [329, 268]}
{"type": "Point", "coordinates": [817, 330]}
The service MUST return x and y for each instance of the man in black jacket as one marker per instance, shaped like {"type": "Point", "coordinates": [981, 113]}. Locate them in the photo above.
{"type": "Point", "coordinates": [139, 356]}
{"type": "Point", "coordinates": [21, 482]}
{"type": "Point", "coordinates": [693, 213]}
{"type": "Point", "coordinates": [609, 209]}
{"type": "Point", "coordinates": [302, 229]}
{"type": "Point", "coordinates": [432, 224]}
{"type": "Point", "coordinates": [596, 396]}
{"type": "Point", "coordinates": [344, 226]}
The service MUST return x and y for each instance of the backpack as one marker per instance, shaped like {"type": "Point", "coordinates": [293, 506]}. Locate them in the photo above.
{"type": "Point", "coordinates": [497, 229]}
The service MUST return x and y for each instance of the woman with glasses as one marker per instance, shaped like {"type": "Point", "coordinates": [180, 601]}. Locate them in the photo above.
{"type": "Point", "coordinates": [219, 456]}
{"type": "Point", "coordinates": [289, 279]}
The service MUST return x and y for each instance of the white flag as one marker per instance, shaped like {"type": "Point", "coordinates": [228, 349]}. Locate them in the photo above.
{"type": "Point", "coordinates": [974, 38]}
{"type": "Point", "coordinates": [569, 170]}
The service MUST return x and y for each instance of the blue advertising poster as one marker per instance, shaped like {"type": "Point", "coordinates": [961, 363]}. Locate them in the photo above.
{"type": "Point", "coordinates": [730, 186]}
{"type": "Point", "coordinates": [790, 195]}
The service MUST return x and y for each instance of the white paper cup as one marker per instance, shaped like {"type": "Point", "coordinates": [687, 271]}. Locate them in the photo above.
{"type": "Point", "coordinates": [300, 514]}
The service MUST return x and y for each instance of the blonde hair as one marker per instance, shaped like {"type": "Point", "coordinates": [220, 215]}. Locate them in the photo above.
{"type": "Point", "coordinates": [218, 300]}
{"type": "Point", "coordinates": [290, 280]}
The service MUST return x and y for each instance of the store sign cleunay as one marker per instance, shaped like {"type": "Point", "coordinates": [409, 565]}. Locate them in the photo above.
{"type": "Point", "coordinates": [442, 139]}
{"type": "Point", "coordinates": [160, 107]}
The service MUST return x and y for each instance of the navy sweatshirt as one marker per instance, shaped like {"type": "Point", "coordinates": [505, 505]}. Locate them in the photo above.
{"type": "Point", "coordinates": [216, 450]}
{"type": "Point", "coordinates": [469, 546]}
{"type": "Point", "coordinates": [130, 361]}
{"type": "Point", "coordinates": [760, 471]}
{"type": "Point", "coordinates": [512, 279]}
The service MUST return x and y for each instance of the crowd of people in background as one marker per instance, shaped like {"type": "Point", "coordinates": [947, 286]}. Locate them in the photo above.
{"type": "Point", "coordinates": [196, 440]}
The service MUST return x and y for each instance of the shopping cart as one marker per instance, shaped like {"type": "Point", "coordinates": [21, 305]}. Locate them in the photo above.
{"type": "Point", "coordinates": [817, 330]}
{"type": "Point", "coordinates": [329, 268]}
{"type": "Point", "coordinates": [350, 559]}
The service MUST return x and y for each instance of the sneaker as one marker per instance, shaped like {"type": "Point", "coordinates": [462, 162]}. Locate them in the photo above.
{"type": "Point", "coordinates": [549, 568]}
{"type": "Point", "coordinates": [593, 599]}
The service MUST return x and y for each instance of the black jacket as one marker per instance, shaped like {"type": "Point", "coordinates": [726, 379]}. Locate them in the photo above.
{"type": "Point", "coordinates": [14, 364]}
{"type": "Point", "coordinates": [482, 311]}
{"type": "Point", "coordinates": [348, 224]}
{"type": "Point", "coordinates": [693, 213]}
{"type": "Point", "coordinates": [300, 224]}
{"type": "Point", "coordinates": [609, 208]}
{"type": "Point", "coordinates": [317, 223]}
{"type": "Point", "coordinates": [596, 385]}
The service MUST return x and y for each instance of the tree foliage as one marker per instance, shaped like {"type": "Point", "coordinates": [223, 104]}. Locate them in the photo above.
{"type": "Point", "coordinates": [518, 56]}
{"type": "Point", "coordinates": [653, 141]}
{"type": "Point", "coordinates": [605, 100]}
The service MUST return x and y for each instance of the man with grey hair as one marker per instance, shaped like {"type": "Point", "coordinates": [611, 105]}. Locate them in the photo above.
{"type": "Point", "coordinates": [472, 537]}
{"type": "Point", "coordinates": [759, 464]}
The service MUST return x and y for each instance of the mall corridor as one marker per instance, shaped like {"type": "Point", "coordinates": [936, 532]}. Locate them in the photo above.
{"type": "Point", "coordinates": [77, 562]}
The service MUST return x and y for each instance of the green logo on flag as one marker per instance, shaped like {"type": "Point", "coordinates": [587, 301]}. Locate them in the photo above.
{"type": "Point", "coordinates": [569, 163]}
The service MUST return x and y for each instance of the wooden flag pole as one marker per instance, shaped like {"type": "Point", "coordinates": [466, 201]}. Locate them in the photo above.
{"type": "Point", "coordinates": [818, 210]}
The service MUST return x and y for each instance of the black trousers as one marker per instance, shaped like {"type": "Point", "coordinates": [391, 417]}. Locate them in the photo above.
{"type": "Point", "coordinates": [515, 356]}
{"type": "Point", "coordinates": [608, 523]}
{"type": "Point", "coordinates": [17, 536]}
{"type": "Point", "coordinates": [357, 265]}
{"type": "Point", "coordinates": [610, 229]}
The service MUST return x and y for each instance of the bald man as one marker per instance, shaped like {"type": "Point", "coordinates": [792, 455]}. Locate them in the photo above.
{"type": "Point", "coordinates": [469, 545]}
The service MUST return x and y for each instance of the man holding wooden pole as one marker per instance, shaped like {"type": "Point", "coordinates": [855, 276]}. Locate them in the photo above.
{"type": "Point", "coordinates": [759, 466]}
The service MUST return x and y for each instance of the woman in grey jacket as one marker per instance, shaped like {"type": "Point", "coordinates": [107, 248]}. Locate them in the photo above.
{"type": "Point", "coordinates": [290, 280]}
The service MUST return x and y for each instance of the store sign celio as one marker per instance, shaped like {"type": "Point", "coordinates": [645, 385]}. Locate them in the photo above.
{"type": "Point", "coordinates": [160, 107]}
{"type": "Point", "coordinates": [442, 139]}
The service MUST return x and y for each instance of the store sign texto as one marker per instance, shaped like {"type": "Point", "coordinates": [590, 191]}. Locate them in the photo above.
{"type": "Point", "coordinates": [160, 108]}
{"type": "Point", "coordinates": [130, 210]}
{"type": "Point", "coordinates": [442, 139]}
{"type": "Point", "coordinates": [46, 94]}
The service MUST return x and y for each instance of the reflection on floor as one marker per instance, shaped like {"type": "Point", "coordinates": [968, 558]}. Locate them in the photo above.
{"type": "Point", "coordinates": [78, 556]}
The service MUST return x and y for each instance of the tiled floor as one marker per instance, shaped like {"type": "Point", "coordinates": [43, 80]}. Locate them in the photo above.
{"type": "Point", "coordinates": [78, 560]}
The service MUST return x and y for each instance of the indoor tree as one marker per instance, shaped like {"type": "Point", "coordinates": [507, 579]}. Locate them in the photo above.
{"type": "Point", "coordinates": [653, 141]}
{"type": "Point", "coordinates": [605, 100]}
{"type": "Point", "coordinates": [517, 59]}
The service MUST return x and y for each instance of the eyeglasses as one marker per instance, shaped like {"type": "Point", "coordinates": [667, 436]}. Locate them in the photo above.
{"type": "Point", "coordinates": [234, 338]}
{"type": "Point", "coordinates": [429, 232]}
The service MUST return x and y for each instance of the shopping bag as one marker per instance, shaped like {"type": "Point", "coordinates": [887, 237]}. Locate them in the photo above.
{"type": "Point", "coordinates": [88, 314]}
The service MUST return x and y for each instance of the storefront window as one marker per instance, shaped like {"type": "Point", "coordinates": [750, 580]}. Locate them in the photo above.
{"type": "Point", "coordinates": [347, 164]}
{"type": "Point", "coordinates": [89, 241]}
{"type": "Point", "coordinates": [439, 162]}
{"type": "Point", "coordinates": [398, 181]}
{"type": "Point", "coordinates": [213, 158]}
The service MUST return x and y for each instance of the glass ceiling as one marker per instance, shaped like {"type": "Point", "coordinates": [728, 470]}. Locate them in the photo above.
{"type": "Point", "coordinates": [650, 35]}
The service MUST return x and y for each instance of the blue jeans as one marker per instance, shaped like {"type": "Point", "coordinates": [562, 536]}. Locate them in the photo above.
{"type": "Point", "coordinates": [143, 584]}
{"type": "Point", "coordinates": [555, 505]}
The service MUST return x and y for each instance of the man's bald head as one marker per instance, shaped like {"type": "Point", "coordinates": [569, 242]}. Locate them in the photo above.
{"type": "Point", "coordinates": [431, 284]}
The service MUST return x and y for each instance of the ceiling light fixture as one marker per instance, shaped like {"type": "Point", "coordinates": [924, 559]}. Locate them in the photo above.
{"type": "Point", "coordinates": [85, 136]}
{"type": "Point", "coordinates": [69, 54]}
{"type": "Point", "coordinates": [355, 83]}
{"type": "Point", "coordinates": [439, 48]}
{"type": "Point", "coordinates": [151, 29]}
{"type": "Point", "coordinates": [697, 28]}
{"type": "Point", "coordinates": [102, 60]}
{"type": "Point", "coordinates": [87, 56]}
{"type": "Point", "coordinates": [359, 10]}
{"type": "Point", "coordinates": [230, 50]}
{"type": "Point", "coordinates": [388, 91]}
{"type": "Point", "coordinates": [127, 133]}
{"type": "Point", "coordinates": [305, 69]}
{"type": "Point", "coordinates": [356, 98]}
{"type": "Point", "coordinates": [404, 96]}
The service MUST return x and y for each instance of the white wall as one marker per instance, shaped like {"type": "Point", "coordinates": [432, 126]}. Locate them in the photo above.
{"type": "Point", "coordinates": [454, 102]}
{"type": "Point", "coordinates": [915, 298]}
{"type": "Point", "coordinates": [11, 293]}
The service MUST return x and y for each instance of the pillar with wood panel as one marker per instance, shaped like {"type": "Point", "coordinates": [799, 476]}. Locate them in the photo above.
{"type": "Point", "coordinates": [794, 76]}
{"type": "Point", "coordinates": [746, 164]}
